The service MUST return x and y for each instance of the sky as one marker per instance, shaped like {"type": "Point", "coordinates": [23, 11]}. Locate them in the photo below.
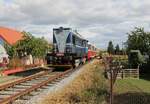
{"type": "Point", "coordinates": [99, 21]}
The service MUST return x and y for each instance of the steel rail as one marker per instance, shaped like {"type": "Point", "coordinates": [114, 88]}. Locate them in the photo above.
{"type": "Point", "coordinates": [12, 98]}
{"type": "Point", "coordinates": [3, 87]}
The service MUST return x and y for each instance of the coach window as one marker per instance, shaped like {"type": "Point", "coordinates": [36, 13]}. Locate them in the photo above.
{"type": "Point", "coordinates": [88, 46]}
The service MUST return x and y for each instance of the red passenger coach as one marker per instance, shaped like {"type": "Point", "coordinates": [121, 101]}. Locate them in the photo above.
{"type": "Point", "coordinates": [92, 51]}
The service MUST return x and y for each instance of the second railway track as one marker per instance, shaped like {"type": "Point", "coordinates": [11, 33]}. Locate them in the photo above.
{"type": "Point", "coordinates": [22, 87]}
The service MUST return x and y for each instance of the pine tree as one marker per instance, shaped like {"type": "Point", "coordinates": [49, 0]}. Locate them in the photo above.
{"type": "Point", "coordinates": [117, 49]}
{"type": "Point", "coordinates": [110, 48]}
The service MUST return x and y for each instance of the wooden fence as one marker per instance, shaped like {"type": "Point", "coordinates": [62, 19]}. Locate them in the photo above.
{"type": "Point", "coordinates": [128, 73]}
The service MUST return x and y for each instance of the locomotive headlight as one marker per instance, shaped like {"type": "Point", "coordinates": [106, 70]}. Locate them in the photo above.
{"type": "Point", "coordinates": [68, 49]}
{"type": "Point", "coordinates": [1, 60]}
{"type": "Point", "coordinates": [55, 47]}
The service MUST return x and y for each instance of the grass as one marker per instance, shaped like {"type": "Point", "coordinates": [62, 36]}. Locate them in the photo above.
{"type": "Point", "coordinates": [129, 84]}
{"type": "Point", "coordinates": [132, 91]}
{"type": "Point", "coordinates": [90, 87]}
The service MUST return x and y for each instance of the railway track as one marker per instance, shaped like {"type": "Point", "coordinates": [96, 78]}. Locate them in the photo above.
{"type": "Point", "coordinates": [25, 86]}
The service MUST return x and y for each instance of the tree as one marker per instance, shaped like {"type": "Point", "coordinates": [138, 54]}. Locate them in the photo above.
{"type": "Point", "coordinates": [117, 49]}
{"type": "Point", "coordinates": [37, 47]}
{"type": "Point", "coordinates": [110, 48]}
{"type": "Point", "coordinates": [11, 50]}
{"type": "Point", "coordinates": [135, 58]}
{"type": "Point", "coordinates": [138, 39]}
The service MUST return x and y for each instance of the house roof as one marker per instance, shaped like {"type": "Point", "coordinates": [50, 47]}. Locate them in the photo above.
{"type": "Point", "coordinates": [9, 35]}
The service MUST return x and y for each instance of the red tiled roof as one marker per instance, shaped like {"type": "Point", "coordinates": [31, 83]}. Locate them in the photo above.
{"type": "Point", "coordinates": [9, 35]}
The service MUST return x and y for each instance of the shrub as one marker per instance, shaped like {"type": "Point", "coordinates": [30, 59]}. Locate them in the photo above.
{"type": "Point", "coordinates": [135, 58]}
{"type": "Point", "coordinates": [97, 92]}
{"type": "Point", "coordinates": [15, 62]}
{"type": "Point", "coordinates": [90, 87]}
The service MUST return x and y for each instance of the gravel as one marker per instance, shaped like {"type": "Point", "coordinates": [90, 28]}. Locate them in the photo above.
{"type": "Point", "coordinates": [53, 88]}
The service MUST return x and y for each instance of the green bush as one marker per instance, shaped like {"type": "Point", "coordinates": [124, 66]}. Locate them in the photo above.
{"type": "Point", "coordinates": [135, 58]}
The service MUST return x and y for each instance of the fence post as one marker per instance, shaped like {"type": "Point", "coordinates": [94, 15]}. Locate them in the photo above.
{"type": "Point", "coordinates": [111, 87]}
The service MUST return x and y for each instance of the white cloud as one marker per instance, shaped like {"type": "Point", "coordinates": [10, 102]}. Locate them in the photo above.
{"type": "Point", "coordinates": [98, 20]}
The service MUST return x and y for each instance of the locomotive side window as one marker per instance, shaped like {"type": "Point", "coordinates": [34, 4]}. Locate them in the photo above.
{"type": "Point", "coordinates": [73, 39]}
{"type": "Point", "coordinates": [78, 42]}
{"type": "Point", "coordinates": [69, 38]}
{"type": "Point", "coordinates": [54, 39]}
{"type": "Point", "coordinates": [83, 43]}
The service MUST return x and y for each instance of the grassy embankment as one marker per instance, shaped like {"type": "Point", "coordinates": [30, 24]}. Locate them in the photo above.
{"type": "Point", "coordinates": [90, 87]}
{"type": "Point", "coordinates": [127, 85]}
{"type": "Point", "coordinates": [132, 91]}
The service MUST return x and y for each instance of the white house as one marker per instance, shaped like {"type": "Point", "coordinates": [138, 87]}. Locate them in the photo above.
{"type": "Point", "coordinates": [10, 37]}
{"type": "Point", "coordinates": [3, 56]}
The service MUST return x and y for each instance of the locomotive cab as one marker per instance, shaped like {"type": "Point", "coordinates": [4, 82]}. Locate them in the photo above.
{"type": "Point", "coordinates": [69, 47]}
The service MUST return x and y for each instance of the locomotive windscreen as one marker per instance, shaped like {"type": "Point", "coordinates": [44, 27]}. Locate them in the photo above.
{"type": "Point", "coordinates": [60, 36]}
